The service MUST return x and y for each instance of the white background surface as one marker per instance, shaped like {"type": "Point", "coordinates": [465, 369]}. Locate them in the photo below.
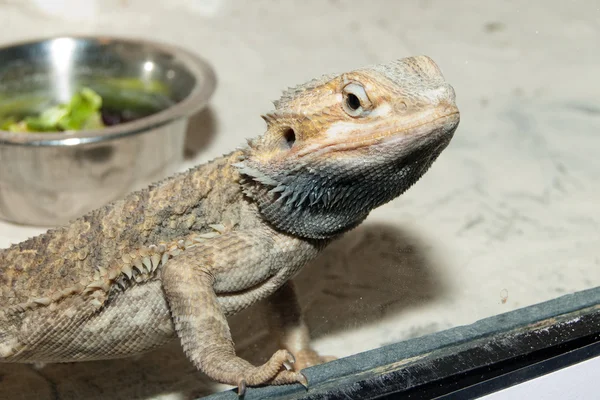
{"type": "Point", "coordinates": [577, 382]}
{"type": "Point", "coordinates": [507, 217]}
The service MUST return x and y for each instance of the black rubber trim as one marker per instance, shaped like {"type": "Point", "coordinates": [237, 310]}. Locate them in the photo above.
{"type": "Point", "coordinates": [526, 373]}
{"type": "Point", "coordinates": [461, 363]}
{"type": "Point", "coordinates": [533, 354]}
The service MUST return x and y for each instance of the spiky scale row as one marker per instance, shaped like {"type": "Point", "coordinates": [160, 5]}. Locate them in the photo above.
{"type": "Point", "coordinates": [136, 267]}
{"type": "Point", "coordinates": [292, 92]}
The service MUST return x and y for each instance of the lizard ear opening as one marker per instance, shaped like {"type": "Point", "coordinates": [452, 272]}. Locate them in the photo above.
{"type": "Point", "coordinates": [289, 136]}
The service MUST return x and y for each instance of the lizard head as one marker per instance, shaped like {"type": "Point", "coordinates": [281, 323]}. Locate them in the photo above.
{"type": "Point", "coordinates": [339, 146]}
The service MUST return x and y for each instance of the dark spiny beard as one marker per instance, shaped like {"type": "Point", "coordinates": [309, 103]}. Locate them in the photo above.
{"type": "Point", "coordinates": [333, 196]}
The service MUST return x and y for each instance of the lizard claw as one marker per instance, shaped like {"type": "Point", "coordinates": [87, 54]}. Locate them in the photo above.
{"type": "Point", "coordinates": [278, 369]}
{"type": "Point", "coordinates": [241, 387]}
{"type": "Point", "coordinates": [288, 378]}
{"type": "Point", "coordinates": [288, 366]}
{"type": "Point", "coordinates": [289, 361]}
{"type": "Point", "coordinates": [302, 380]}
{"type": "Point", "coordinates": [291, 358]}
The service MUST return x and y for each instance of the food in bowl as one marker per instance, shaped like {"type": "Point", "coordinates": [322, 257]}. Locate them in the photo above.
{"type": "Point", "coordinates": [82, 112]}
{"type": "Point", "coordinates": [86, 110]}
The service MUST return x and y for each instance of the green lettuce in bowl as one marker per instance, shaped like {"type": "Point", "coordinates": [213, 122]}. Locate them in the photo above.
{"type": "Point", "coordinates": [82, 112]}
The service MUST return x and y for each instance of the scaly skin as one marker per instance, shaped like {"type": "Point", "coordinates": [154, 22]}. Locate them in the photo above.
{"type": "Point", "coordinates": [176, 259]}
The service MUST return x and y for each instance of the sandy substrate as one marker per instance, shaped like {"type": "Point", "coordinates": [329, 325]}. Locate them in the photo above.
{"type": "Point", "coordinates": [507, 217]}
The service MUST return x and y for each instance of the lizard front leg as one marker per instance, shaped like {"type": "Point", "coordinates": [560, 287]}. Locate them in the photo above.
{"type": "Point", "coordinates": [223, 276]}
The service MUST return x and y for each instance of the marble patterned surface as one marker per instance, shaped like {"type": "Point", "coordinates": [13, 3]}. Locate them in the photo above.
{"type": "Point", "coordinates": [507, 217]}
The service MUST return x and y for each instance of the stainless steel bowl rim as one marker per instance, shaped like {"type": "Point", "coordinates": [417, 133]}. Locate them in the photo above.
{"type": "Point", "coordinates": [192, 103]}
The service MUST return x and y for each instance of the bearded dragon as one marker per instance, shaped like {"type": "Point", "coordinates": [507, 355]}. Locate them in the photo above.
{"type": "Point", "coordinates": [176, 259]}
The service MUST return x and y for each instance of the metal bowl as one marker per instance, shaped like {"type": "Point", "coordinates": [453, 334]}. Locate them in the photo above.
{"type": "Point", "coordinates": [48, 179]}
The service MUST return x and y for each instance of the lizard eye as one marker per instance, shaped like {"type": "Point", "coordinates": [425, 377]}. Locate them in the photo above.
{"type": "Point", "coordinates": [356, 101]}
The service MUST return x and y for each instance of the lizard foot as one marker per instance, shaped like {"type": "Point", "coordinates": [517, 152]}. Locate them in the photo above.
{"type": "Point", "coordinates": [276, 371]}
{"type": "Point", "coordinates": [289, 377]}
{"type": "Point", "coordinates": [308, 357]}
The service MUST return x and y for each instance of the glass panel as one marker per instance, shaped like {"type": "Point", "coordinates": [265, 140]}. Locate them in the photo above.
{"type": "Point", "coordinates": [506, 217]}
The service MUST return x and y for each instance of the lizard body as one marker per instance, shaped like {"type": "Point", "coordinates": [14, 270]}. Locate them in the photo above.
{"type": "Point", "coordinates": [176, 259]}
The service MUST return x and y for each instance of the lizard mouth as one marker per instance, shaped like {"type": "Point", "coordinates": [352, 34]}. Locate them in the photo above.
{"type": "Point", "coordinates": [423, 127]}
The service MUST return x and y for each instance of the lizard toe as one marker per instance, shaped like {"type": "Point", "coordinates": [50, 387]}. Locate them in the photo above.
{"type": "Point", "coordinates": [307, 358]}
{"type": "Point", "coordinates": [290, 377]}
